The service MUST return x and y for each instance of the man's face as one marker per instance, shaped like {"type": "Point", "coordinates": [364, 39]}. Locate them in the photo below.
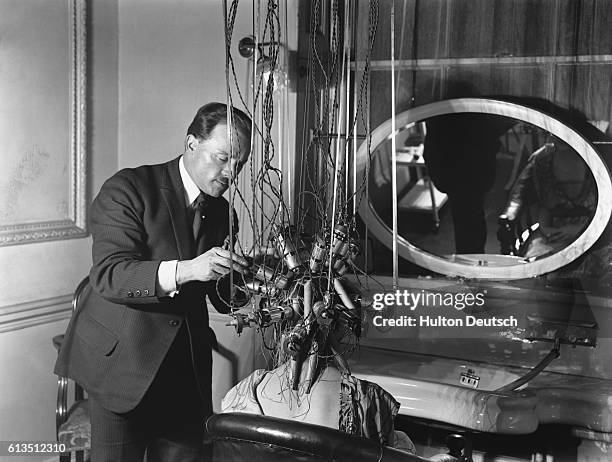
{"type": "Point", "coordinates": [208, 162]}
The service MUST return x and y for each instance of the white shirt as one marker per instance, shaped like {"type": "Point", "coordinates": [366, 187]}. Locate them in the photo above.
{"type": "Point", "coordinates": [166, 273]}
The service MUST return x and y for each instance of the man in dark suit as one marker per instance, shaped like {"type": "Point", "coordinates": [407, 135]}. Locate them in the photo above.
{"type": "Point", "coordinates": [140, 344]}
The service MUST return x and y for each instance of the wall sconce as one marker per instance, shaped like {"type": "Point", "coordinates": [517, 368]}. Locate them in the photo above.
{"type": "Point", "coordinates": [246, 48]}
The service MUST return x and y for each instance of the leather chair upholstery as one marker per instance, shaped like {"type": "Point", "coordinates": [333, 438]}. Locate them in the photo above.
{"type": "Point", "coordinates": [255, 438]}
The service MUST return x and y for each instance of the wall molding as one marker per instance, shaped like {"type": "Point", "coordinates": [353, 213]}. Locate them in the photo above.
{"type": "Point", "coordinates": [44, 311]}
{"type": "Point", "coordinates": [52, 309]}
{"type": "Point", "coordinates": [434, 63]}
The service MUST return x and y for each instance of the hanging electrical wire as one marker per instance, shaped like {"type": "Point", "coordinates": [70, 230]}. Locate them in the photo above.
{"type": "Point", "coordinates": [296, 290]}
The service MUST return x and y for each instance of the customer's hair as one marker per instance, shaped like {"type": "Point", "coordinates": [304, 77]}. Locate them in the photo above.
{"type": "Point", "coordinates": [211, 114]}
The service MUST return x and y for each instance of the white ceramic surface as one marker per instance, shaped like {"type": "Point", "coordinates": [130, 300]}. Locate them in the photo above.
{"type": "Point", "coordinates": [429, 387]}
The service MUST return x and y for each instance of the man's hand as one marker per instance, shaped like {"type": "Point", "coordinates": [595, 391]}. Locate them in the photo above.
{"type": "Point", "coordinates": [210, 266]}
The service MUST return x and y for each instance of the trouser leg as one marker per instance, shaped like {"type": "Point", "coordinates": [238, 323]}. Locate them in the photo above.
{"type": "Point", "coordinates": [116, 437]}
{"type": "Point", "coordinates": [176, 407]}
{"type": "Point", "coordinates": [469, 223]}
{"type": "Point", "coordinates": [168, 423]}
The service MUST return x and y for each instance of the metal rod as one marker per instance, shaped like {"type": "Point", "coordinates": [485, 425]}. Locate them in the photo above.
{"type": "Point", "coordinates": [281, 147]}
{"type": "Point", "coordinates": [354, 127]}
{"type": "Point", "coordinates": [393, 152]}
{"type": "Point", "coordinates": [254, 138]}
{"type": "Point", "coordinates": [550, 357]}
{"type": "Point", "coordinates": [432, 196]}
{"type": "Point", "coordinates": [290, 155]}
{"type": "Point", "coordinates": [367, 179]}
{"type": "Point", "coordinates": [320, 161]}
{"type": "Point", "coordinates": [347, 84]}
{"type": "Point", "coordinates": [260, 122]}
{"type": "Point", "coordinates": [337, 164]}
{"type": "Point", "coordinates": [354, 145]}
{"type": "Point", "coordinates": [229, 121]}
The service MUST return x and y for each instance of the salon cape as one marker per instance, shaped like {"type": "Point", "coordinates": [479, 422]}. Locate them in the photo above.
{"type": "Point", "coordinates": [366, 409]}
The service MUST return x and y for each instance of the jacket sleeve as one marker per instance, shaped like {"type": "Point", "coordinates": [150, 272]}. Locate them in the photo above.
{"type": "Point", "coordinates": [122, 271]}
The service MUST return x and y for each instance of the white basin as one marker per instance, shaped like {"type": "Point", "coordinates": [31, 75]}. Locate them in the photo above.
{"type": "Point", "coordinates": [430, 387]}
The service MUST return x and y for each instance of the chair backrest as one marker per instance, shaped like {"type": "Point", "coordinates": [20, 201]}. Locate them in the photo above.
{"type": "Point", "coordinates": [80, 292]}
{"type": "Point", "coordinates": [250, 437]}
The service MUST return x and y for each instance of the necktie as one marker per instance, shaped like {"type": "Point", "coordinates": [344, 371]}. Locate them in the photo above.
{"type": "Point", "coordinates": [198, 216]}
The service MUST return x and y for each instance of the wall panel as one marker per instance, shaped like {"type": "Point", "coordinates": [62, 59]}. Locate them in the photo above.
{"type": "Point", "coordinates": [501, 28]}
{"type": "Point", "coordinates": [585, 27]}
{"type": "Point", "coordinates": [500, 79]}
{"type": "Point", "coordinates": [427, 19]}
{"type": "Point", "coordinates": [411, 89]}
{"type": "Point", "coordinates": [587, 87]}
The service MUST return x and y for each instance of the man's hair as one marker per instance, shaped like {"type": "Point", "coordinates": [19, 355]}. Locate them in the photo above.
{"type": "Point", "coordinates": [211, 114]}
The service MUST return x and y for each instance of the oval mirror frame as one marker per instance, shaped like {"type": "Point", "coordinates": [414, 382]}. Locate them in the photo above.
{"type": "Point", "coordinates": [521, 270]}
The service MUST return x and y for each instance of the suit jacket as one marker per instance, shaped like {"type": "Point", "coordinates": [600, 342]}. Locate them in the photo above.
{"type": "Point", "coordinates": [118, 338]}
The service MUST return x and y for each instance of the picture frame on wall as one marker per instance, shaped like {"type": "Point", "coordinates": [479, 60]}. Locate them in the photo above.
{"type": "Point", "coordinates": [42, 121]}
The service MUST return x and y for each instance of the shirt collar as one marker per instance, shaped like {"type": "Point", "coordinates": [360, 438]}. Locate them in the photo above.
{"type": "Point", "coordinates": [191, 189]}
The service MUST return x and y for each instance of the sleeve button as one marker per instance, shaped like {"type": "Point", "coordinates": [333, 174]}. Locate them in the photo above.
{"type": "Point", "coordinates": [173, 322]}
{"type": "Point", "coordinates": [130, 294]}
{"type": "Point", "coordinates": [146, 292]}
{"type": "Point", "coordinates": [138, 293]}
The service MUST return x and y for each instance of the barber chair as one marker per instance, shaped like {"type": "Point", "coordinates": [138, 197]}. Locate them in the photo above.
{"type": "Point", "coordinates": [72, 426]}
{"type": "Point", "coordinates": [516, 225]}
{"type": "Point", "coordinates": [256, 438]}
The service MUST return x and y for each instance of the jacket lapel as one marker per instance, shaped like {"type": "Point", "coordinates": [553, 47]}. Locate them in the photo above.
{"type": "Point", "coordinates": [173, 192]}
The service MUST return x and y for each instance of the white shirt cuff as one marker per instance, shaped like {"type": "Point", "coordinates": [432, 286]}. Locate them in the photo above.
{"type": "Point", "coordinates": [166, 278]}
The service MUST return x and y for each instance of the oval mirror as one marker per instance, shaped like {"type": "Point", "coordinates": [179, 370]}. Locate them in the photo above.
{"type": "Point", "coordinates": [486, 189]}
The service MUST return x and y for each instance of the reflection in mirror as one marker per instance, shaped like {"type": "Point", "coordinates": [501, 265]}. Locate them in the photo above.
{"type": "Point", "coordinates": [472, 184]}
{"type": "Point", "coordinates": [546, 203]}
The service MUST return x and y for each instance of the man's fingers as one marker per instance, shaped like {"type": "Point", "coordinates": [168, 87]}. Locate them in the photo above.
{"type": "Point", "coordinates": [218, 269]}
{"type": "Point", "coordinates": [227, 255]}
{"type": "Point", "coordinates": [225, 263]}
{"type": "Point", "coordinates": [261, 251]}
{"type": "Point", "coordinates": [240, 269]}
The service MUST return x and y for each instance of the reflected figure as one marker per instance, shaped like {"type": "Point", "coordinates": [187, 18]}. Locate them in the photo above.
{"type": "Point", "coordinates": [460, 154]}
{"type": "Point", "coordinates": [528, 129]}
{"type": "Point", "coordinates": [566, 197]}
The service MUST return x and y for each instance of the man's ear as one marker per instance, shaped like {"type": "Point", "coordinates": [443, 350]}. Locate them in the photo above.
{"type": "Point", "coordinates": [191, 143]}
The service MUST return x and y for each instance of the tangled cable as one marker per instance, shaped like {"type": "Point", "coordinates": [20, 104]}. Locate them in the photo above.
{"type": "Point", "coordinates": [295, 288]}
